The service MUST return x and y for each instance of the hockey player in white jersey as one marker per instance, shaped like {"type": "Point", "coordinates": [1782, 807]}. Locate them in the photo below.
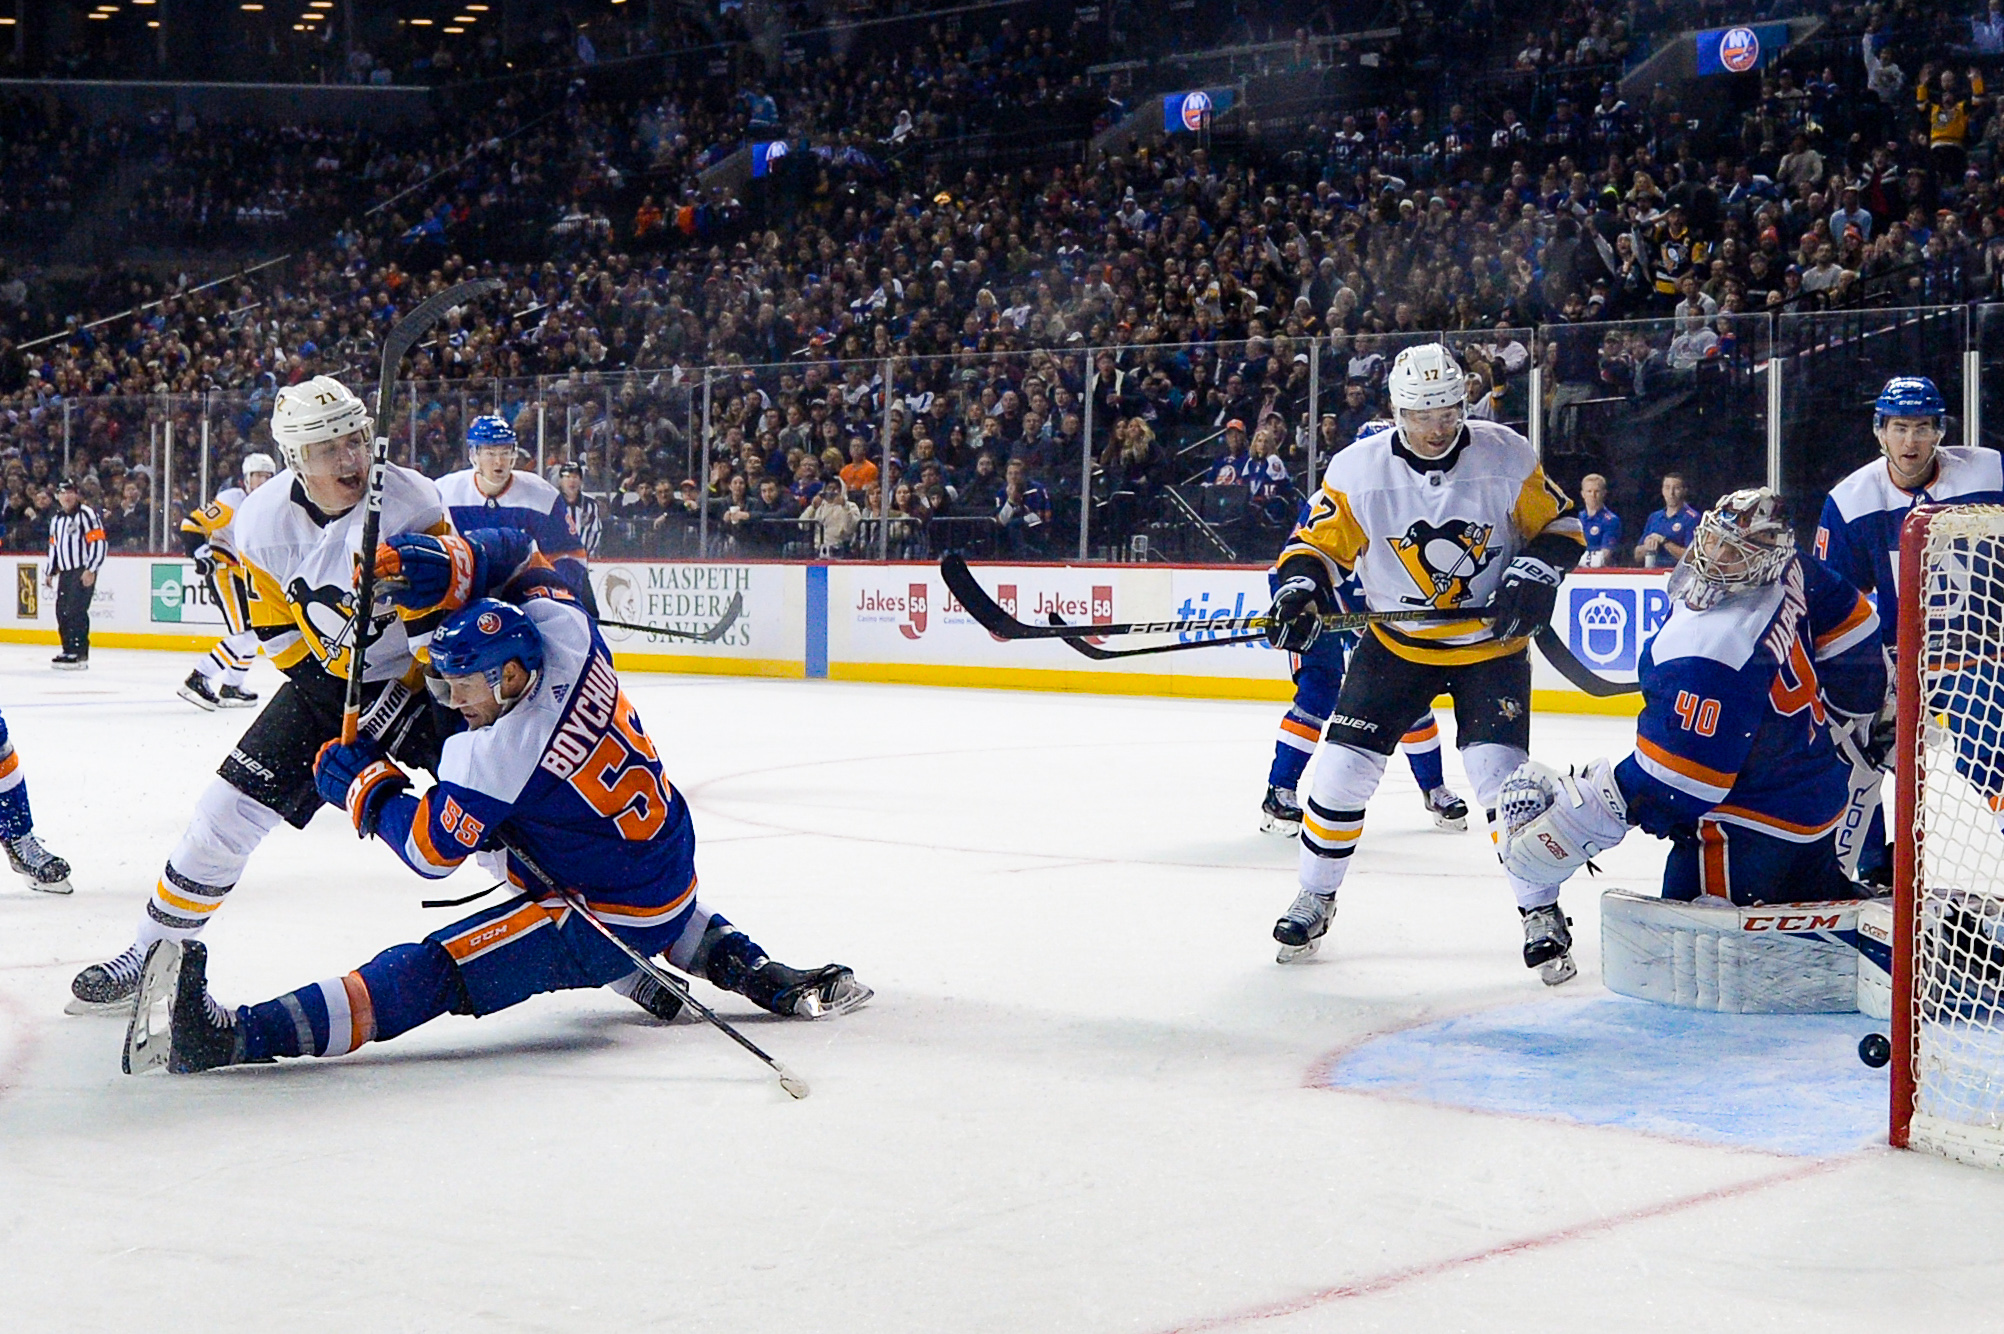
{"type": "Point", "coordinates": [1435, 511]}
{"type": "Point", "coordinates": [209, 533]}
{"type": "Point", "coordinates": [297, 538]}
{"type": "Point", "coordinates": [1765, 653]}
{"type": "Point", "coordinates": [1858, 533]}
{"type": "Point", "coordinates": [494, 493]}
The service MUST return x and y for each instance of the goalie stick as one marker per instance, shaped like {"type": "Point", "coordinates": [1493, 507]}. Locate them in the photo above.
{"type": "Point", "coordinates": [990, 616]}
{"type": "Point", "coordinates": [709, 636]}
{"type": "Point", "coordinates": [792, 1083]}
{"type": "Point", "coordinates": [399, 341]}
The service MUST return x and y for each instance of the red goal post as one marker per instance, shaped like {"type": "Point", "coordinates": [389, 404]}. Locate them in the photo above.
{"type": "Point", "coordinates": [1948, 861]}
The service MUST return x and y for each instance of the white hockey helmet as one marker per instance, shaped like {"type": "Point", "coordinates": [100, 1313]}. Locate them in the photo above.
{"type": "Point", "coordinates": [256, 463]}
{"type": "Point", "coordinates": [321, 408]}
{"type": "Point", "coordinates": [1742, 543]}
{"type": "Point", "coordinates": [1425, 378]}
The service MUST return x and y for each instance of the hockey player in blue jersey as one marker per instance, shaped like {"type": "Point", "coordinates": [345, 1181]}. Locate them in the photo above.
{"type": "Point", "coordinates": [26, 856]}
{"type": "Point", "coordinates": [494, 493]}
{"type": "Point", "coordinates": [1318, 679]}
{"type": "Point", "coordinates": [1859, 531]}
{"type": "Point", "coordinates": [1765, 651]}
{"type": "Point", "coordinates": [554, 761]}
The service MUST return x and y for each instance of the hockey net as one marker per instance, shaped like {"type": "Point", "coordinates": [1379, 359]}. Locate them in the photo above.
{"type": "Point", "coordinates": [1948, 937]}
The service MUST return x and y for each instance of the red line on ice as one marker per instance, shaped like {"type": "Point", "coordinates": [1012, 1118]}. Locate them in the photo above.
{"type": "Point", "coordinates": [1398, 1278]}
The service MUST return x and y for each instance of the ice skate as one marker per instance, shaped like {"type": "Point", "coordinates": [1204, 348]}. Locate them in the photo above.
{"type": "Point", "coordinates": [197, 1034]}
{"type": "Point", "coordinates": [1301, 928]}
{"type": "Point", "coordinates": [1448, 810]}
{"type": "Point", "coordinates": [1548, 946]}
{"type": "Point", "coordinates": [1280, 813]}
{"type": "Point", "coordinates": [68, 662]}
{"type": "Point", "coordinates": [108, 987]}
{"type": "Point", "coordinates": [236, 697]}
{"type": "Point", "coordinates": [42, 869]}
{"type": "Point", "coordinates": [197, 691]}
{"type": "Point", "coordinates": [815, 993]}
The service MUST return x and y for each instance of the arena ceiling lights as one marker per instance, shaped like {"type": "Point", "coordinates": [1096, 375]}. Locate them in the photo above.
{"type": "Point", "coordinates": [252, 8]}
{"type": "Point", "coordinates": [451, 29]}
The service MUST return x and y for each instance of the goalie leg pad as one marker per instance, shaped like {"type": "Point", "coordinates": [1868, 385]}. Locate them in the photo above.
{"type": "Point", "coordinates": [1767, 959]}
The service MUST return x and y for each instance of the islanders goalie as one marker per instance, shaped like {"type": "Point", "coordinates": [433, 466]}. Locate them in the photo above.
{"type": "Point", "coordinates": [1738, 760]}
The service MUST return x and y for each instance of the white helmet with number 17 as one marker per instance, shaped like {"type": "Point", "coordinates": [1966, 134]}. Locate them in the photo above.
{"type": "Point", "coordinates": [1427, 380]}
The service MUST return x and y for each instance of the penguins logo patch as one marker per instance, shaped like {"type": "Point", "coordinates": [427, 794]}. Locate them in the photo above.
{"type": "Point", "coordinates": [1443, 559]}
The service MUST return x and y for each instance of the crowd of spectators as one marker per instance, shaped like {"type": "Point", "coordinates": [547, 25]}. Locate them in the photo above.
{"type": "Point", "coordinates": [1202, 279]}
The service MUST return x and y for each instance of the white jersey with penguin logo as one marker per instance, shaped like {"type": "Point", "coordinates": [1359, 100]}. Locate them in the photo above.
{"type": "Point", "coordinates": [301, 566]}
{"type": "Point", "coordinates": [1439, 533]}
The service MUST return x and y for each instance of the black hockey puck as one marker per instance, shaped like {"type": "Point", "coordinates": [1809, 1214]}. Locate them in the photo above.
{"type": "Point", "coordinates": [1874, 1050]}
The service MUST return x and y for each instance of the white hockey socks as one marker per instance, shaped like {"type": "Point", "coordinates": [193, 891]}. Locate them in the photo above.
{"type": "Point", "coordinates": [206, 864]}
{"type": "Point", "coordinates": [1488, 765]}
{"type": "Point", "coordinates": [1332, 817]}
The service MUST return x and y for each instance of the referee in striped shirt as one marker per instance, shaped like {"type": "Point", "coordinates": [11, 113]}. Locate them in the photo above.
{"type": "Point", "coordinates": [76, 550]}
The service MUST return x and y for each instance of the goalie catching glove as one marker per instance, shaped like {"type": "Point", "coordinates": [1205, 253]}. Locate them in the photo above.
{"type": "Point", "coordinates": [1555, 823]}
{"type": "Point", "coordinates": [358, 777]}
{"type": "Point", "coordinates": [1524, 603]}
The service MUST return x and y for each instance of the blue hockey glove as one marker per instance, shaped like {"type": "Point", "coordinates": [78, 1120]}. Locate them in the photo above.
{"type": "Point", "coordinates": [1295, 619]}
{"type": "Point", "coordinates": [359, 778]}
{"type": "Point", "coordinates": [1524, 603]}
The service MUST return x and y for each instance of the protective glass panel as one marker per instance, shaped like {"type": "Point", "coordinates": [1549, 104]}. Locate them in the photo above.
{"type": "Point", "coordinates": [1834, 364]}
{"type": "Point", "coordinates": [1656, 408]}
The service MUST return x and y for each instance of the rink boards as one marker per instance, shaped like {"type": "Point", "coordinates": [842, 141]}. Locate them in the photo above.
{"type": "Point", "coordinates": [897, 623]}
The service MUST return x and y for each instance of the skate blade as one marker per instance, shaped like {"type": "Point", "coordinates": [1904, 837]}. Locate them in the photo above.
{"type": "Point", "coordinates": [120, 1008]}
{"type": "Point", "coordinates": [851, 995]}
{"type": "Point", "coordinates": [1296, 953]}
{"type": "Point", "coordinates": [227, 703]}
{"type": "Point", "coordinates": [1273, 824]}
{"type": "Point", "coordinates": [148, 1048]}
{"type": "Point", "coordinates": [1457, 824]}
{"type": "Point", "coordinates": [1559, 971]}
{"type": "Point", "coordinates": [71, 666]}
{"type": "Point", "coordinates": [62, 886]}
{"type": "Point", "coordinates": [206, 706]}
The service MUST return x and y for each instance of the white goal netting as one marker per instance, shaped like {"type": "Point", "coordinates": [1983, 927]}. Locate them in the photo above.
{"type": "Point", "coordinates": [1950, 1068]}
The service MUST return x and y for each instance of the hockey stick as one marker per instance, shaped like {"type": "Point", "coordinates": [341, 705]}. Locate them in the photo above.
{"type": "Point", "coordinates": [1098, 654]}
{"type": "Point", "coordinates": [399, 341]}
{"type": "Point", "coordinates": [709, 636]}
{"type": "Point", "coordinates": [1582, 677]}
{"type": "Point", "coordinates": [792, 1083]}
{"type": "Point", "coordinates": [990, 616]}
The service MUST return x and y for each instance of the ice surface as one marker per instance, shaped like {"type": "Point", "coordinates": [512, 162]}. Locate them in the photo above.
{"type": "Point", "coordinates": [1085, 1097]}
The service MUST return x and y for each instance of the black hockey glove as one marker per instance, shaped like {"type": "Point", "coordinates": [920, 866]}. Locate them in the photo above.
{"type": "Point", "coordinates": [1880, 741]}
{"type": "Point", "coordinates": [205, 560]}
{"type": "Point", "coordinates": [1295, 619]}
{"type": "Point", "coordinates": [1524, 603]}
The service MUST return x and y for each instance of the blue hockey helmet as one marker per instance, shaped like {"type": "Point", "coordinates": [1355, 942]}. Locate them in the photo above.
{"type": "Point", "coordinates": [1909, 396]}
{"type": "Point", "coordinates": [488, 432]}
{"type": "Point", "coordinates": [480, 639]}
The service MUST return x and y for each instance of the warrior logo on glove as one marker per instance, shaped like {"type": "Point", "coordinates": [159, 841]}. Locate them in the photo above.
{"type": "Point", "coordinates": [1443, 559]}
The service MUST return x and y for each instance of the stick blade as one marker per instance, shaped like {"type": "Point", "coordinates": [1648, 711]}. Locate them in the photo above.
{"type": "Point", "coordinates": [970, 594]}
{"type": "Point", "coordinates": [731, 614]}
{"type": "Point", "coordinates": [792, 1083]}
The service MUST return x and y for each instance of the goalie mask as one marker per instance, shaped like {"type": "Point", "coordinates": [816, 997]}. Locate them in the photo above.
{"type": "Point", "coordinates": [322, 431]}
{"type": "Point", "coordinates": [1742, 543]}
{"type": "Point", "coordinates": [1428, 393]}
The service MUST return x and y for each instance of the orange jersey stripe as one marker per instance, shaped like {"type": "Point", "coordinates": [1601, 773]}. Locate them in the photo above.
{"type": "Point", "coordinates": [1859, 615]}
{"type": "Point", "coordinates": [1300, 729]}
{"type": "Point", "coordinates": [361, 1011]}
{"type": "Point", "coordinates": [489, 934]}
{"type": "Point", "coordinates": [1712, 876]}
{"type": "Point", "coordinates": [1775, 822]}
{"type": "Point", "coordinates": [1688, 768]}
{"type": "Point", "coordinates": [10, 764]}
